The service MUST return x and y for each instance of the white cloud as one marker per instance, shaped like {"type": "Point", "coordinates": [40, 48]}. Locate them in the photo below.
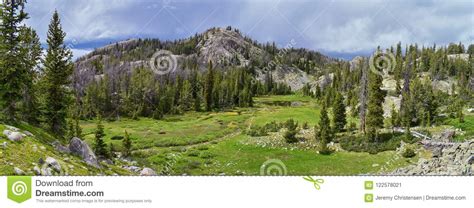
{"type": "Point", "coordinates": [343, 26]}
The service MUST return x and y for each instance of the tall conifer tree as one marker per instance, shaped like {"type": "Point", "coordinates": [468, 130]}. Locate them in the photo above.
{"type": "Point", "coordinates": [58, 69]}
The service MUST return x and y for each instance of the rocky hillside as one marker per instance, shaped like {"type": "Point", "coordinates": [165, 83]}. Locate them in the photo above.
{"type": "Point", "coordinates": [27, 150]}
{"type": "Point", "coordinates": [446, 159]}
{"type": "Point", "coordinates": [226, 48]}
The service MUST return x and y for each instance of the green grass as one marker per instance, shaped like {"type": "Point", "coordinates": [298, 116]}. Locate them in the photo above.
{"type": "Point", "coordinates": [196, 143]}
{"type": "Point", "coordinates": [191, 128]}
{"type": "Point", "coordinates": [309, 114]}
{"type": "Point", "coordinates": [467, 127]}
{"type": "Point", "coordinates": [233, 157]}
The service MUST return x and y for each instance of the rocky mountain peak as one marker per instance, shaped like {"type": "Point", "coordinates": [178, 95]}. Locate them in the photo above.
{"type": "Point", "coordinates": [226, 46]}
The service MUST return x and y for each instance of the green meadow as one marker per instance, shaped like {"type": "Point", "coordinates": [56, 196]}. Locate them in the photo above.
{"type": "Point", "coordinates": [198, 143]}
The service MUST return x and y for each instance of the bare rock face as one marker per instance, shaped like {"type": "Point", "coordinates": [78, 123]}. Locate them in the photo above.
{"type": "Point", "coordinates": [355, 62]}
{"type": "Point", "coordinates": [81, 149]}
{"type": "Point", "coordinates": [291, 76]}
{"type": "Point", "coordinates": [147, 172]}
{"type": "Point", "coordinates": [454, 159]}
{"type": "Point", "coordinates": [222, 46]}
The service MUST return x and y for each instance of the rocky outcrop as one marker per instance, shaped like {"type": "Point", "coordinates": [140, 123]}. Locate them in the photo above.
{"type": "Point", "coordinates": [18, 171]}
{"type": "Point", "coordinates": [53, 163]}
{"type": "Point", "coordinates": [453, 159]}
{"type": "Point", "coordinates": [13, 136]}
{"type": "Point", "coordinates": [81, 149]}
{"type": "Point", "coordinates": [61, 148]}
{"type": "Point", "coordinates": [446, 136]}
{"type": "Point", "coordinates": [147, 172]}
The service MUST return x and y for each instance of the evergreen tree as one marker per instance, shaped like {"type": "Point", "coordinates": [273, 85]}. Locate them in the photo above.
{"type": "Point", "coordinates": [100, 147]}
{"type": "Point", "coordinates": [290, 134]}
{"type": "Point", "coordinates": [324, 132]}
{"type": "Point", "coordinates": [30, 55]}
{"type": "Point", "coordinates": [112, 150]}
{"type": "Point", "coordinates": [374, 106]}
{"type": "Point", "coordinates": [394, 117]}
{"type": "Point", "coordinates": [339, 112]}
{"type": "Point", "coordinates": [58, 69]}
{"type": "Point", "coordinates": [127, 145]}
{"type": "Point", "coordinates": [363, 95]}
{"type": "Point", "coordinates": [13, 75]}
{"type": "Point", "coordinates": [209, 87]}
{"type": "Point", "coordinates": [78, 129]}
{"type": "Point", "coordinates": [398, 64]}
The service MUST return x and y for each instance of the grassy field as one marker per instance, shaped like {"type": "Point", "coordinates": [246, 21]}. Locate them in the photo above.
{"type": "Point", "coordinates": [198, 143]}
{"type": "Point", "coordinates": [181, 130]}
{"type": "Point", "coordinates": [232, 157]}
{"type": "Point", "coordinates": [467, 126]}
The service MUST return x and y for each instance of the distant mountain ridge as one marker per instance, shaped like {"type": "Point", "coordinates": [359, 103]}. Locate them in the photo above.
{"type": "Point", "coordinates": [225, 47]}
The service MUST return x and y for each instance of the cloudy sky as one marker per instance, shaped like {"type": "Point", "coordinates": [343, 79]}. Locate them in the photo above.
{"type": "Point", "coordinates": [341, 28]}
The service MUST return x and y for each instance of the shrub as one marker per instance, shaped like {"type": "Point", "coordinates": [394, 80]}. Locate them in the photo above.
{"type": "Point", "coordinates": [272, 127]}
{"type": "Point", "coordinates": [290, 134]}
{"type": "Point", "coordinates": [363, 144]}
{"type": "Point", "coordinates": [203, 148]}
{"type": "Point", "coordinates": [305, 125]}
{"type": "Point", "coordinates": [352, 126]}
{"type": "Point", "coordinates": [256, 131]}
{"type": "Point", "coordinates": [193, 153]}
{"type": "Point", "coordinates": [117, 137]}
{"type": "Point", "coordinates": [206, 155]}
{"type": "Point", "coordinates": [408, 153]}
{"type": "Point", "coordinates": [325, 151]}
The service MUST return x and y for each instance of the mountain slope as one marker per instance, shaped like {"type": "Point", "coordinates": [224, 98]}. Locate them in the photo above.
{"type": "Point", "coordinates": [226, 48]}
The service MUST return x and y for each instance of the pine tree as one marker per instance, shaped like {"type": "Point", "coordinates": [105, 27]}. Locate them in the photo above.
{"type": "Point", "coordinates": [363, 96]}
{"type": "Point", "coordinates": [374, 106]}
{"type": "Point", "coordinates": [290, 134]}
{"type": "Point", "coordinates": [78, 129]}
{"type": "Point", "coordinates": [58, 69]}
{"type": "Point", "coordinates": [324, 132]}
{"type": "Point", "coordinates": [394, 117]}
{"type": "Point", "coordinates": [13, 75]}
{"type": "Point", "coordinates": [209, 87]}
{"type": "Point", "coordinates": [112, 150]}
{"type": "Point", "coordinates": [195, 90]}
{"type": "Point", "coordinates": [317, 93]}
{"type": "Point", "coordinates": [127, 145]}
{"type": "Point", "coordinates": [398, 64]}
{"type": "Point", "coordinates": [339, 112]}
{"type": "Point", "coordinates": [30, 54]}
{"type": "Point", "coordinates": [100, 147]}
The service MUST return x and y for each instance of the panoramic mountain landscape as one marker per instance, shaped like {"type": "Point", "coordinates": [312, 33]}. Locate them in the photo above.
{"type": "Point", "coordinates": [222, 103]}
